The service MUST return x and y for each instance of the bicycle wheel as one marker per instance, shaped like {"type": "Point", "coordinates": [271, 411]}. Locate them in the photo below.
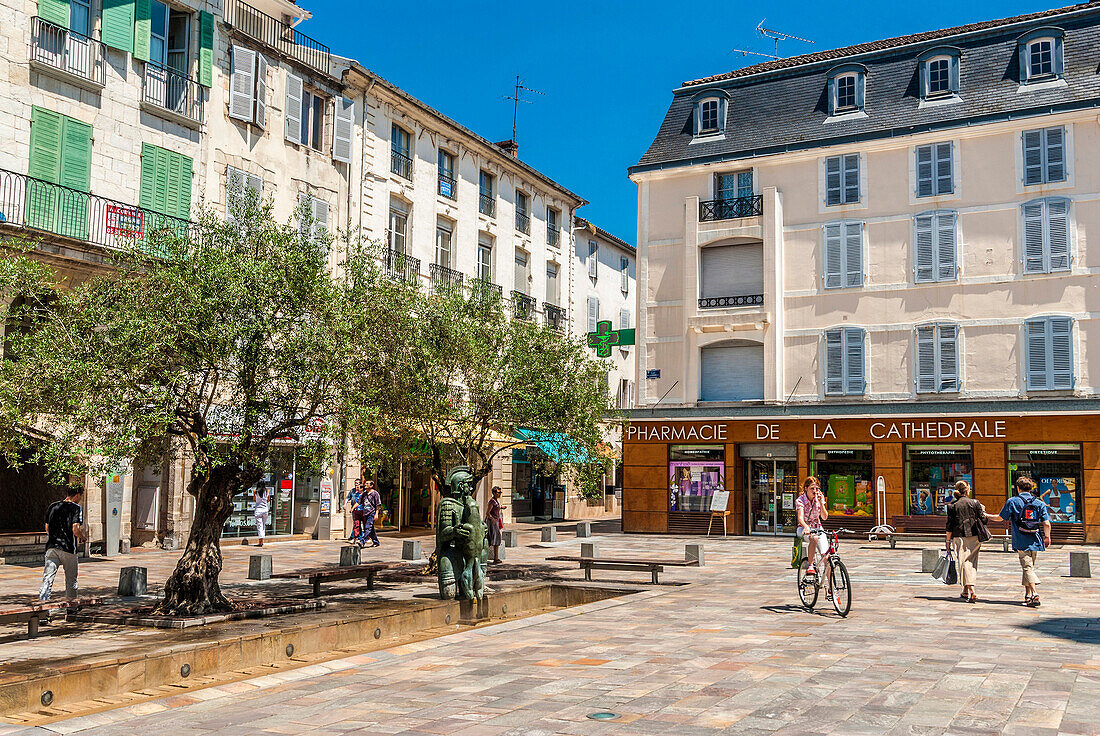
{"type": "Point", "coordinates": [841, 586]}
{"type": "Point", "coordinates": [807, 585]}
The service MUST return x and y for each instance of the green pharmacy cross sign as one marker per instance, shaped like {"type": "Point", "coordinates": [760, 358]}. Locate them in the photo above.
{"type": "Point", "coordinates": [604, 338]}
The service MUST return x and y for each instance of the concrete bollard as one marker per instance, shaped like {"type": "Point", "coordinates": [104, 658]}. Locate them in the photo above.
{"type": "Point", "coordinates": [590, 549]}
{"type": "Point", "coordinates": [349, 556]}
{"type": "Point", "coordinates": [124, 546]}
{"type": "Point", "coordinates": [259, 567]}
{"type": "Point", "coordinates": [584, 529]}
{"type": "Point", "coordinates": [132, 581]}
{"type": "Point", "coordinates": [549, 534]}
{"type": "Point", "coordinates": [511, 538]}
{"type": "Point", "coordinates": [928, 559]}
{"type": "Point", "coordinates": [1079, 565]}
{"type": "Point", "coordinates": [410, 549]}
{"type": "Point", "coordinates": [694, 552]}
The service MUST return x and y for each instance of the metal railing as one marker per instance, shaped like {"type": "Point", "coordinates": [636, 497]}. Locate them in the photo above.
{"type": "Point", "coordinates": [40, 205]}
{"type": "Point", "coordinates": [448, 187]}
{"type": "Point", "coordinates": [553, 236]}
{"type": "Point", "coordinates": [483, 288]}
{"type": "Point", "coordinates": [555, 316]}
{"type": "Point", "coordinates": [401, 164]}
{"type": "Point", "coordinates": [523, 222]}
{"type": "Point", "coordinates": [730, 209]}
{"type": "Point", "coordinates": [523, 306]}
{"type": "Point", "coordinates": [170, 90]}
{"type": "Point", "coordinates": [487, 204]}
{"type": "Point", "coordinates": [445, 278]}
{"type": "Point", "coordinates": [746, 300]}
{"type": "Point", "coordinates": [278, 35]}
{"type": "Point", "coordinates": [67, 51]}
{"type": "Point", "coordinates": [400, 267]}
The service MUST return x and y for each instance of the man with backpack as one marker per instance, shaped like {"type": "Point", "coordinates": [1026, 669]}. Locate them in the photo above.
{"type": "Point", "coordinates": [1029, 520]}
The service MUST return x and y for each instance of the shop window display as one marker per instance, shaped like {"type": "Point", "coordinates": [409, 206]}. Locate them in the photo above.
{"type": "Point", "coordinates": [695, 472]}
{"type": "Point", "coordinates": [1056, 471]}
{"type": "Point", "coordinates": [847, 475]}
{"type": "Point", "coordinates": [931, 472]}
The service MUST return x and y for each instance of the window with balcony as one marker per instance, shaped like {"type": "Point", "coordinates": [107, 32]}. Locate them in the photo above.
{"type": "Point", "coordinates": [732, 371]}
{"type": "Point", "coordinates": [1046, 235]}
{"type": "Point", "coordinates": [61, 42]}
{"type": "Point", "coordinates": [163, 42]}
{"type": "Point", "coordinates": [1044, 155]}
{"type": "Point", "coordinates": [523, 213]}
{"type": "Point", "coordinates": [444, 237]}
{"type": "Point", "coordinates": [59, 174]}
{"type": "Point", "coordinates": [1049, 353]}
{"type": "Point", "coordinates": [487, 202]}
{"type": "Point", "coordinates": [397, 230]}
{"type": "Point", "coordinates": [485, 257]}
{"type": "Point", "coordinates": [937, 366]}
{"type": "Point", "coordinates": [448, 186]}
{"type": "Point", "coordinates": [731, 276]}
{"type": "Point", "coordinates": [278, 35]}
{"type": "Point", "coordinates": [400, 152]}
{"type": "Point", "coordinates": [553, 228]}
{"type": "Point", "coordinates": [845, 373]}
{"type": "Point", "coordinates": [733, 198]}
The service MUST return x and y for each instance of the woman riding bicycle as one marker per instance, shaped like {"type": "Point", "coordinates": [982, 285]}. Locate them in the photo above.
{"type": "Point", "coordinates": [810, 507]}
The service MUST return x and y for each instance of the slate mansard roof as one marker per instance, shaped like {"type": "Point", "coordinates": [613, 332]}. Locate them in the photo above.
{"type": "Point", "coordinates": [781, 105]}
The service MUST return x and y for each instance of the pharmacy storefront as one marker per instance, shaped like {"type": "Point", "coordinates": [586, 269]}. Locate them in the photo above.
{"type": "Point", "coordinates": [672, 469]}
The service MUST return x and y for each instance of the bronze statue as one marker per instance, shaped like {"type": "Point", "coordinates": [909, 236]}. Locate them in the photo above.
{"type": "Point", "coordinates": [460, 539]}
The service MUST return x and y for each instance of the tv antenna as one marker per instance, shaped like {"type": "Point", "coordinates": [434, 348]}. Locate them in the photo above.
{"type": "Point", "coordinates": [775, 36]}
{"type": "Point", "coordinates": [516, 98]}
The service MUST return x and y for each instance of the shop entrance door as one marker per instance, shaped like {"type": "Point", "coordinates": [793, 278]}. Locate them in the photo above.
{"type": "Point", "coordinates": [772, 487]}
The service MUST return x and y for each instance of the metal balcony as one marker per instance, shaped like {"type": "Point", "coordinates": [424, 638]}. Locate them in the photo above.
{"type": "Point", "coordinates": [448, 187]}
{"type": "Point", "coordinates": [523, 222]}
{"type": "Point", "coordinates": [445, 278]}
{"type": "Point", "coordinates": [718, 302]}
{"type": "Point", "coordinates": [523, 306]}
{"type": "Point", "coordinates": [400, 267]}
{"type": "Point", "coordinates": [555, 316]}
{"type": "Point", "coordinates": [168, 91]}
{"type": "Point", "coordinates": [487, 205]}
{"type": "Point", "coordinates": [731, 209]}
{"type": "Point", "coordinates": [278, 35]}
{"type": "Point", "coordinates": [553, 236]}
{"type": "Point", "coordinates": [75, 56]}
{"type": "Point", "coordinates": [480, 288]}
{"type": "Point", "coordinates": [401, 165]}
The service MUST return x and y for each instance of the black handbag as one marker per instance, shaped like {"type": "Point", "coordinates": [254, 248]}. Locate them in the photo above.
{"type": "Point", "coordinates": [952, 572]}
{"type": "Point", "coordinates": [983, 532]}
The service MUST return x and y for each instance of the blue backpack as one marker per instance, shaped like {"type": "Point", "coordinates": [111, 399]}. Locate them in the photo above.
{"type": "Point", "coordinates": [1029, 519]}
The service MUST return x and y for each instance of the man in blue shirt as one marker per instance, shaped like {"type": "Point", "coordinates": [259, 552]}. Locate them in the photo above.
{"type": "Point", "coordinates": [1029, 520]}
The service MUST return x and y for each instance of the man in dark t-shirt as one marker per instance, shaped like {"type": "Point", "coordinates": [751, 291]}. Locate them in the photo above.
{"type": "Point", "coordinates": [63, 529]}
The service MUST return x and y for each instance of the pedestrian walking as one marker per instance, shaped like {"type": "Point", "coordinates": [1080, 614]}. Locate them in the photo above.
{"type": "Point", "coordinates": [372, 507]}
{"type": "Point", "coordinates": [966, 530]}
{"type": "Point", "coordinates": [1029, 520]}
{"type": "Point", "coordinates": [351, 506]}
{"type": "Point", "coordinates": [261, 509]}
{"type": "Point", "coordinates": [64, 521]}
{"type": "Point", "coordinates": [494, 523]}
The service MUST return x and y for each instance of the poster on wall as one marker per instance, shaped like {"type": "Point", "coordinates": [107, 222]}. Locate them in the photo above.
{"type": "Point", "coordinates": [788, 502]}
{"type": "Point", "coordinates": [1060, 494]}
{"type": "Point", "coordinates": [920, 499]}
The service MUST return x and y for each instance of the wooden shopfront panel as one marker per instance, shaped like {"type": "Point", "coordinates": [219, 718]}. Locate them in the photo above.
{"type": "Point", "coordinates": [645, 487]}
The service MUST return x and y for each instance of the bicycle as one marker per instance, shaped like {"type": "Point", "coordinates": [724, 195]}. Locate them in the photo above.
{"type": "Point", "coordinates": [840, 585]}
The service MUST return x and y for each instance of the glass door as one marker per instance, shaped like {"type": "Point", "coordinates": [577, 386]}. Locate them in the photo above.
{"type": "Point", "coordinates": [772, 487]}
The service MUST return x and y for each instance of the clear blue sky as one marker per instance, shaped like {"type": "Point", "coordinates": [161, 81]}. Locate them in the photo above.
{"type": "Point", "coordinates": [607, 69]}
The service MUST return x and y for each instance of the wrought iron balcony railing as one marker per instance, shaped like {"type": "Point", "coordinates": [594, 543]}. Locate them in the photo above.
{"type": "Point", "coordinates": [278, 35]}
{"type": "Point", "coordinates": [487, 205]}
{"type": "Point", "coordinates": [553, 236]}
{"type": "Point", "coordinates": [555, 316]}
{"type": "Point", "coordinates": [523, 306]}
{"type": "Point", "coordinates": [445, 278]}
{"type": "Point", "coordinates": [172, 91]}
{"type": "Point", "coordinates": [730, 209]}
{"type": "Point", "coordinates": [746, 300]}
{"type": "Point", "coordinates": [401, 164]}
{"type": "Point", "coordinates": [483, 289]}
{"type": "Point", "coordinates": [400, 267]}
{"type": "Point", "coordinates": [448, 187]}
{"type": "Point", "coordinates": [67, 51]}
{"type": "Point", "coordinates": [523, 222]}
{"type": "Point", "coordinates": [38, 205]}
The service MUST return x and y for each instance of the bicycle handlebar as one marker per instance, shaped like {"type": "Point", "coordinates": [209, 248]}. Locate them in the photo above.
{"type": "Point", "coordinates": [819, 530]}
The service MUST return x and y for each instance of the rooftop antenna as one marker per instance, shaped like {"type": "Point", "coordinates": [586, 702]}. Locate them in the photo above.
{"type": "Point", "coordinates": [516, 98]}
{"type": "Point", "coordinates": [778, 36]}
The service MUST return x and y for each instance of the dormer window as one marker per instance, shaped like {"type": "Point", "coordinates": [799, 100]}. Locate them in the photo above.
{"type": "Point", "coordinates": [845, 93]}
{"type": "Point", "coordinates": [846, 90]}
{"type": "Point", "coordinates": [939, 76]}
{"type": "Point", "coordinates": [710, 115]}
{"type": "Point", "coordinates": [939, 73]}
{"type": "Point", "coordinates": [1041, 56]}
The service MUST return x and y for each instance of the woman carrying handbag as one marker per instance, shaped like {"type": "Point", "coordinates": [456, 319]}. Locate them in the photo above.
{"type": "Point", "coordinates": [966, 530]}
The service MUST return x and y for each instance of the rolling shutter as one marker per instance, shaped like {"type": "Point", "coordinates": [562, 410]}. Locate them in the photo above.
{"type": "Point", "coordinates": [206, 49]}
{"type": "Point", "coordinates": [143, 27]}
{"type": "Point", "coordinates": [732, 373]}
{"type": "Point", "coordinates": [342, 130]}
{"type": "Point", "coordinates": [242, 83]}
{"type": "Point", "coordinates": [54, 11]}
{"type": "Point", "coordinates": [117, 27]}
{"type": "Point", "coordinates": [293, 109]}
{"type": "Point", "coordinates": [261, 91]}
{"type": "Point", "coordinates": [732, 270]}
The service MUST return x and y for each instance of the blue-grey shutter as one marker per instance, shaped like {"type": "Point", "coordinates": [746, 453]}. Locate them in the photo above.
{"type": "Point", "coordinates": [1058, 233]}
{"type": "Point", "coordinates": [926, 359]}
{"type": "Point", "coordinates": [834, 189]}
{"type": "Point", "coordinates": [925, 254]}
{"type": "Point", "coordinates": [925, 171]}
{"type": "Point", "coordinates": [1054, 154]}
{"type": "Point", "coordinates": [832, 95]}
{"type": "Point", "coordinates": [953, 65]}
{"type": "Point", "coordinates": [923, 71]}
{"type": "Point", "coordinates": [1059, 61]}
{"type": "Point", "coordinates": [853, 361]}
{"type": "Point", "coordinates": [1021, 52]}
{"type": "Point", "coordinates": [1033, 157]}
{"type": "Point", "coordinates": [945, 246]}
{"type": "Point", "coordinates": [948, 362]}
{"type": "Point", "coordinates": [834, 362]}
{"type": "Point", "coordinates": [1035, 335]}
{"type": "Point", "coordinates": [944, 174]}
{"type": "Point", "coordinates": [851, 178]}
{"type": "Point", "coordinates": [722, 115]}
{"type": "Point", "coordinates": [697, 117]}
{"type": "Point", "coordinates": [1061, 352]}
{"type": "Point", "coordinates": [833, 256]}
{"type": "Point", "coordinates": [853, 254]}
{"type": "Point", "coordinates": [861, 88]}
{"type": "Point", "coordinates": [1034, 235]}
{"type": "Point", "coordinates": [732, 373]}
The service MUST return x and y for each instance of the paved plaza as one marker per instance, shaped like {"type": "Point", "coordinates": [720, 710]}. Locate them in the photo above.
{"type": "Point", "coordinates": [722, 649]}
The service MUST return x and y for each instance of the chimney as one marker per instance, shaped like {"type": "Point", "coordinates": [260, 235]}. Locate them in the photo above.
{"type": "Point", "coordinates": [509, 147]}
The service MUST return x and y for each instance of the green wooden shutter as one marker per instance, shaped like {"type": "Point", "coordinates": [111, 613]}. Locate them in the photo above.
{"type": "Point", "coordinates": [143, 26]}
{"type": "Point", "coordinates": [148, 176]}
{"type": "Point", "coordinates": [118, 24]}
{"type": "Point", "coordinates": [76, 175]}
{"type": "Point", "coordinates": [44, 164]}
{"type": "Point", "coordinates": [183, 203]}
{"type": "Point", "coordinates": [206, 49]}
{"type": "Point", "coordinates": [54, 11]}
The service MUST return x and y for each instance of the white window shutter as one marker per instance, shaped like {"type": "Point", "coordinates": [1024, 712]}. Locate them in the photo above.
{"type": "Point", "coordinates": [948, 359]}
{"type": "Point", "coordinates": [593, 313]}
{"type": "Point", "coordinates": [833, 251]}
{"type": "Point", "coordinates": [1033, 157]}
{"type": "Point", "coordinates": [320, 217]}
{"type": "Point", "coordinates": [834, 362]}
{"type": "Point", "coordinates": [833, 181]}
{"type": "Point", "coordinates": [624, 319]}
{"type": "Point", "coordinates": [926, 359]}
{"type": "Point", "coordinates": [851, 178]}
{"type": "Point", "coordinates": [925, 250]}
{"type": "Point", "coordinates": [343, 126]}
{"type": "Point", "coordinates": [1034, 231]}
{"type": "Point", "coordinates": [261, 91]}
{"type": "Point", "coordinates": [853, 360]}
{"type": "Point", "coordinates": [234, 187]}
{"type": "Point", "coordinates": [946, 246]}
{"type": "Point", "coordinates": [1058, 233]}
{"type": "Point", "coordinates": [256, 184]}
{"type": "Point", "coordinates": [242, 83]}
{"type": "Point", "coordinates": [293, 111]}
{"type": "Point", "coordinates": [1055, 154]}
{"type": "Point", "coordinates": [945, 175]}
{"type": "Point", "coordinates": [1061, 352]}
{"type": "Point", "coordinates": [593, 258]}
{"type": "Point", "coordinates": [1035, 336]}
{"type": "Point", "coordinates": [853, 254]}
{"type": "Point", "coordinates": [924, 171]}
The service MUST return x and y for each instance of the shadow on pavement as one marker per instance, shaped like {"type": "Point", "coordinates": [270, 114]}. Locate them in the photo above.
{"type": "Point", "coordinates": [1081, 629]}
{"type": "Point", "coordinates": [980, 601]}
{"type": "Point", "coordinates": [793, 608]}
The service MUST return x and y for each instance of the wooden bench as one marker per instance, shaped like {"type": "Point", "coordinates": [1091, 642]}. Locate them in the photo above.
{"type": "Point", "coordinates": [933, 528]}
{"type": "Point", "coordinates": [331, 574]}
{"type": "Point", "coordinates": [35, 612]}
{"type": "Point", "coordinates": [588, 564]}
